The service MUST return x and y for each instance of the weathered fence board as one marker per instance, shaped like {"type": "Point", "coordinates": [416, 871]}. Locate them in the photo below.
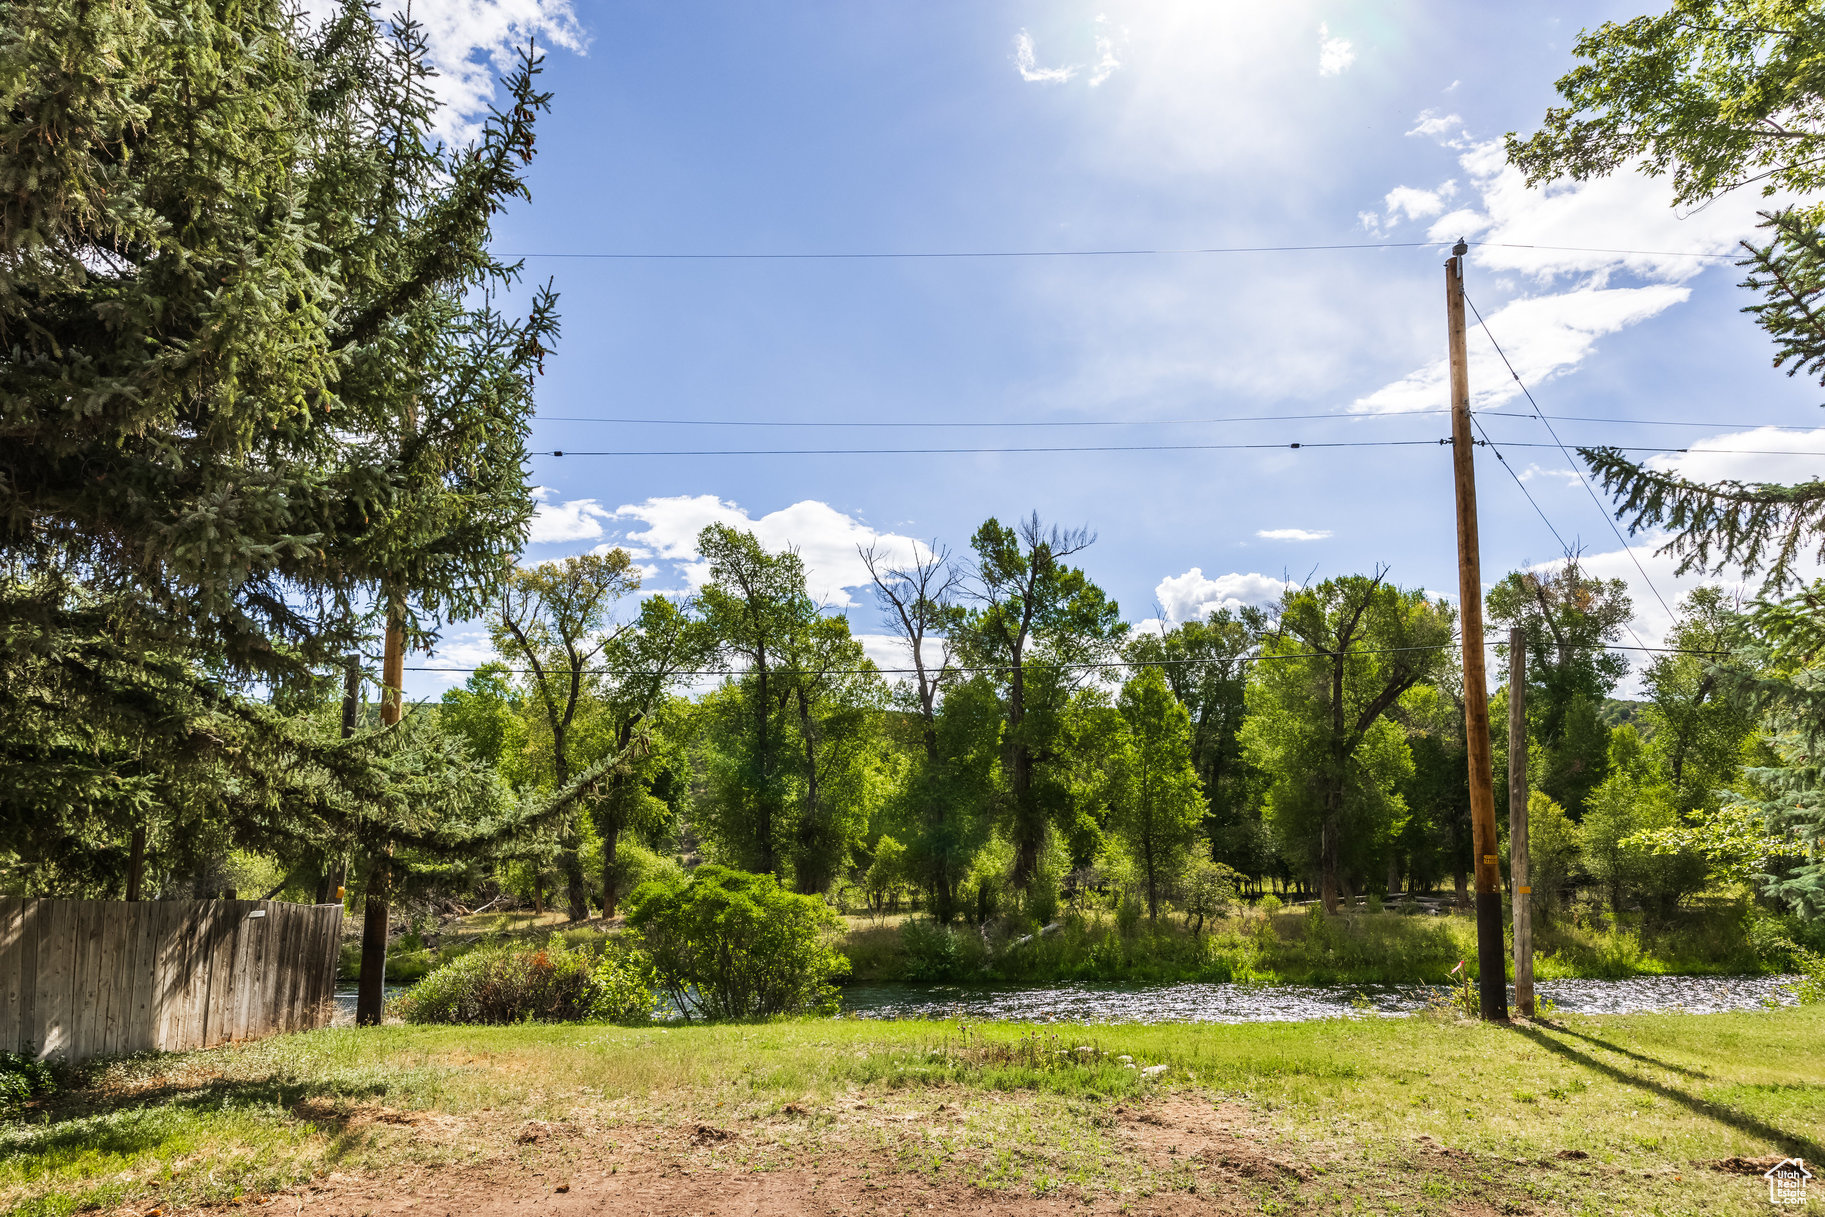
{"type": "Point", "coordinates": [85, 978]}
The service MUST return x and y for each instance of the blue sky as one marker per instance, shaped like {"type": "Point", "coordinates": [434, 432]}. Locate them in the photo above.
{"type": "Point", "coordinates": [942, 127]}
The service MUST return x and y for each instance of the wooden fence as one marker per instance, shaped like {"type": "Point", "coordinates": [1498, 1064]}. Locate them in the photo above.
{"type": "Point", "coordinates": [84, 978]}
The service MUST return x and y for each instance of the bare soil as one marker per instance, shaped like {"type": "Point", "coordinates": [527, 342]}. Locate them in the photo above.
{"type": "Point", "coordinates": [1202, 1159]}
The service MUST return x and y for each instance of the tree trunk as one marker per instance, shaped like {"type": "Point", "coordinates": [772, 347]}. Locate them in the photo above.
{"type": "Point", "coordinates": [538, 892]}
{"type": "Point", "coordinates": [611, 895]}
{"type": "Point", "coordinates": [1462, 885]}
{"type": "Point", "coordinates": [809, 879]}
{"type": "Point", "coordinates": [1393, 875]}
{"type": "Point", "coordinates": [576, 887]}
{"type": "Point", "coordinates": [136, 862]}
{"type": "Point", "coordinates": [370, 999]}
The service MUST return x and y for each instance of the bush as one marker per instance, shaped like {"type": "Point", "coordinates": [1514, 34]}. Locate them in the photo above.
{"type": "Point", "coordinates": [728, 944]}
{"type": "Point", "coordinates": [622, 985]}
{"type": "Point", "coordinates": [636, 865]}
{"type": "Point", "coordinates": [932, 951]}
{"type": "Point", "coordinates": [21, 1080]}
{"type": "Point", "coordinates": [505, 984]}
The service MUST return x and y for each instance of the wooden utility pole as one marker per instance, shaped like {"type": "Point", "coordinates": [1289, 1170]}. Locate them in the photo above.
{"type": "Point", "coordinates": [1491, 958]}
{"type": "Point", "coordinates": [1520, 893]}
{"type": "Point", "coordinates": [370, 998]}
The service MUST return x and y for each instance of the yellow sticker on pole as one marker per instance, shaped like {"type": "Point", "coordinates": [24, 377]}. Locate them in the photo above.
{"type": "Point", "coordinates": [1525, 891]}
{"type": "Point", "coordinates": [1488, 859]}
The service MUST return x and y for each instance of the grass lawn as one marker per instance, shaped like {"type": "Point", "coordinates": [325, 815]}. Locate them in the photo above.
{"type": "Point", "coordinates": [1611, 1115]}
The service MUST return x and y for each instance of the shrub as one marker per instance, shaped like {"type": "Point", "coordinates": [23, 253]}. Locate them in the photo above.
{"type": "Point", "coordinates": [1810, 988]}
{"type": "Point", "coordinates": [932, 951]}
{"type": "Point", "coordinates": [636, 865]}
{"type": "Point", "coordinates": [1270, 904]}
{"type": "Point", "coordinates": [622, 987]}
{"type": "Point", "coordinates": [728, 944]}
{"type": "Point", "coordinates": [1209, 889]}
{"type": "Point", "coordinates": [21, 1080]}
{"type": "Point", "coordinates": [505, 984]}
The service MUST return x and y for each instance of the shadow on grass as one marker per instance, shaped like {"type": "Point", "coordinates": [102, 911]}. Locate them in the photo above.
{"type": "Point", "coordinates": [142, 1121]}
{"type": "Point", "coordinates": [1784, 1139]}
{"type": "Point", "coordinates": [1631, 1054]}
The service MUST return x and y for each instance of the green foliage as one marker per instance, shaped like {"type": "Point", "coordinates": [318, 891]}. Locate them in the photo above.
{"type": "Point", "coordinates": [1155, 803]}
{"type": "Point", "coordinates": [22, 1079]}
{"type": "Point", "coordinates": [1207, 890]}
{"type": "Point", "coordinates": [505, 983]}
{"type": "Point", "coordinates": [1554, 846]}
{"type": "Point", "coordinates": [934, 952]}
{"type": "Point", "coordinates": [792, 745]}
{"type": "Point", "coordinates": [1206, 664]}
{"type": "Point", "coordinates": [622, 987]}
{"type": "Point", "coordinates": [728, 944]}
{"type": "Point", "coordinates": [1034, 617]}
{"type": "Point", "coordinates": [1632, 802]}
{"type": "Point", "coordinates": [1319, 726]}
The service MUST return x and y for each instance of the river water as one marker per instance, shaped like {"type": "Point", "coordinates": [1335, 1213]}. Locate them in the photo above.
{"type": "Point", "coordinates": [1233, 1003]}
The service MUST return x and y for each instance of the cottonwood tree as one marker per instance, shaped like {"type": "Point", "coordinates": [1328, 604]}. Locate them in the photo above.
{"type": "Point", "coordinates": [556, 619]}
{"type": "Point", "coordinates": [1034, 623]}
{"type": "Point", "coordinates": [1341, 655]}
{"type": "Point", "coordinates": [1570, 619]}
{"type": "Point", "coordinates": [948, 791]}
{"type": "Point", "coordinates": [755, 604]}
{"type": "Point", "coordinates": [641, 667]}
{"type": "Point", "coordinates": [1206, 663]}
{"type": "Point", "coordinates": [1155, 799]}
{"type": "Point", "coordinates": [795, 735]}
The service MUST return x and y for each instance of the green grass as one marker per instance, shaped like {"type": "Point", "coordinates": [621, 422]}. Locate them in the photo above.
{"type": "Point", "coordinates": [1308, 947]}
{"type": "Point", "coordinates": [1645, 1096]}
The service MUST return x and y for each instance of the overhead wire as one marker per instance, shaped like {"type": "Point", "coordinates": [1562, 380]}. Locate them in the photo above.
{"type": "Point", "coordinates": [1215, 420]}
{"type": "Point", "coordinates": [1582, 480]}
{"type": "Point", "coordinates": [1141, 252]}
{"type": "Point", "coordinates": [1041, 448]}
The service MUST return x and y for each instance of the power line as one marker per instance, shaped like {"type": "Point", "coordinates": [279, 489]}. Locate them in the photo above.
{"type": "Point", "coordinates": [1086, 665]}
{"type": "Point", "coordinates": [1380, 443]}
{"type": "Point", "coordinates": [1163, 251]}
{"type": "Point", "coordinates": [1213, 420]}
{"type": "Point", "coordinates": [1582, 480]}
{"type": "Point", "coordinates": [1478, 424]}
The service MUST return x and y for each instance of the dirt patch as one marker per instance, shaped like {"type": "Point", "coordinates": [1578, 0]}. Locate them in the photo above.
{"type": "Point", "coordinates": [1745, 1166]}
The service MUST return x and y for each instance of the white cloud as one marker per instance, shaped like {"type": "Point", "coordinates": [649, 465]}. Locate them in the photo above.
{"type": "Point", "coordinates": [1293, 534]}
{"type": "Point", "coordinates": [1107, 63]}
{"type": "Point", "coordinates": [825, 538]}
{"type": "Point", "coordinates": [1570, 476]}
{"type": "Point", "coordinates": [1743, 457]}
{"type": "Point", "coordinates": [472, 43]}
{"type": "Point", "coordinates": [1192, 594]}
{"type": "Point", "coordinates": [1334, 54]}
{"type": "Point", "coordinates": [572, 520]}
{"type": "Point", "coordinates": [1543, 337]}
{"type": "Point", "coordinates": [1026, 61]}
{"type": "Point", "coordinates": [1447, 129]}
{"type": "Point", "coordinates": [1418, 204]}
{"type": "Point", "coordinates": [1622, 211]}
{"type": "Point", "coordinates": [458, 654]}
